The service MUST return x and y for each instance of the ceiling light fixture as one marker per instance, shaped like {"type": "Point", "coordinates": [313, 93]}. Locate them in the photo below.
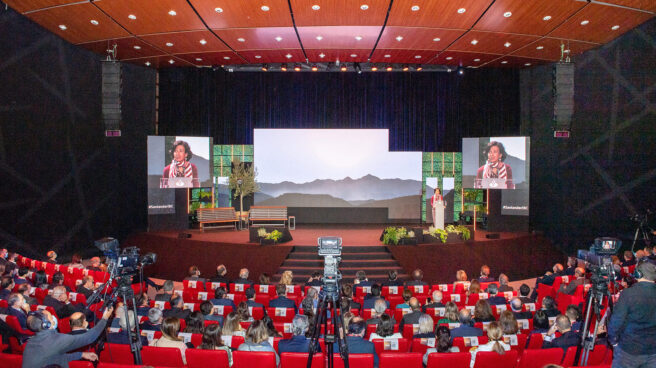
{"type": "Point", "coordinates": [449, 57]}
{"type": "Point", "coordinates": [136, 47]}
{"type": "Point", "coordinates": [436, 39]}
{"type": "Point", "coordinates": [199, 59]}
{"type": "Point", "coordinates": [615, 27]}
{"type": "Point", "coordinates": [527, 64]}
{"type": "Point", "coordinates": [169, 44]}
{"type": "Point", "coordinates": [226, 57]}
{"type": "Point", "coordinates": [399, 38]}
{"type": "Point", "coordinates": [147, 63]}
{"type": "Point", "coordinates": [546, 18]}
{"type": "Point", "coordinates": [504, 62]}
{"type": "Point", "coordinates": [283, 67]}
{"type": "Point", "coordinates": [316, 7]}
{"type": "Point", "coordinates": [343, 68]}
{"type": "Point", "coordinates": [507, 14]}
{"type": "Point", "coordinates": [388, 55]}
{"type": "Point", "coordinates": [354, 55]}
{"type": "Point", "coordinates": [241, 39]}
{"type": "Point", "coordinates": [374, 68]}
{"type": "Point", "coordinates": [132, 16]}
{"type": "Point", "coordinates": [507, 44]}
{"type": "Point", "coordinates": [322, 55]}
{"type": "Point", "coordinates": [172, 13]}
{"type": "Point", "coordinates": [94, 22]}
{"type": "Point", "coordinates": [203, 42]}
{"type": "Point", "coordinates": [417, 56]}
{"type": "Point", "coordinates": [63, 27]}
{"type": "Point", "coordinates": [265, 8]}
{"type": "Point", "coordinates": [278, 38]}
{"type": "Point", "coordinates": [585, 22]}
{"type": "Point", "coordinates": [319, 38]}
{"type": "Point", "coordinates": [415, 8]}
{"type": "Point", "coordinates": [358, 38]}
{"type": "Point", "coordinates": [461, 10]}
{"type": "Point", "coordinates": [419, 68]}
{"type": "Point", "coordinates": [389, 68]}
{"type": "Point", "coordinates": [218, 10]}
{"type": "Point", "coordinates": [265, 68]}
{"type": "Point", "coordinates": [474, 42]}
{"type": "Point", "coordinates": [314, 68]}
{"type": "Point", "coordinates": [171, 61]}
{"type": "Point", "coordinates": [406, 68]}
{"type": "Point", "coordinates": [258, 56]}
{"type": "Point", "coordinates": [364, 6]}
{"type": "Point", "coordinates": [540, 47]}
{"type": "Point", "coordinates": [477, 60]}
{"type": "Point", "coordinates": [297, 68]}
{"type": "Point", "coordinates": [288, 56]}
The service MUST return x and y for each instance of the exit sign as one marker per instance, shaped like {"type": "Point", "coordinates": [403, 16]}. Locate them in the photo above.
{"type": "Point", "coordinates": [113, 133]}
{"type": "Point", "coordinates": [561, 133]}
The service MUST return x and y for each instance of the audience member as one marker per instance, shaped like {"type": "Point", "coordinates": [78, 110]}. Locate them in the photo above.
{"type": "Point", "coordinates": [170, 330]}
{"type": "Point", "coordinates": [243, 312]}
{"type": "Point", "coordinates": [494, 298]}
{"type": "Point", "coordinates": [271, 328]}
{"type": "Point", "coordinates": [549, 307]}
{"type": "Point", "coordinates": [347, 292]}
{"type": "Point", "coordinates": [567, 338]}
{"type": "Point", "coordinates": [143, 304]}
{"type": "Point", "coordinates": [355, 341]}
{"type": "Point", "coordinates": [125, 316]}
{"type": "Point", "coordinates": [52, 257]}
{"type": "Point", "coordinates": [417, 278]}
{"type": "Point", "coordinates": [7, 285]}
{"type": "Point", "coordinates": [466, 327]}
{"type": "Point", "coordinates": [19, 309]}
{"type": "Point", "coordinates": [95, 264]}
{"type": "Point", "coordinates": [315, 279]}
{"type": "Point", "coordinates": [154, 321]}
{"type": "Point", "coordinates": [3, 256]}
{"type": "Point", "coordinates": [282, 301]}
{"type": "Point", "coordinates": [361, 279]}
{"type": "Point", "coordinates": [207, 309]}
{"type": "Point", "coordinates": [436, 301]}
{"type": "Point", "coordinates": [503, 284]}
{"type": "Point", "coordinates": [628, 259]}
{"type": "Point", "coordinates": [570, 288]}
{"type": "Point", "coordinates": [485, 274]}
{"type": "Point", "coordinates": [495, 342]}
{"type": "Point", "coordinates": [220, 298]}
{"type": "Point", "coordinates": [257, 339]}
{"type": "Point", "coordinates": [177, 309]}
{"type": "Point", "coordinates": [243, 277]}
{"type": "Point", "coordinates": [540, 322]}
{"type": "Point", "coordinates": [76, 262]}
{"type": "Point", "coordinates": [312, 296]}
{"type": "Point", "coordinates": [250, 298]}
{"type": "Point", "coordinates": [194, 275]}
{"type": "Point", "coordinates": [370, 299]}
{"type": "Point", "coordinates": [59, 301]}
{"type": "Point", "coordinates": [212, 341]}
{"type": "Point", "coordinates": [412, 317]}
{"type": "Point", "coordinates": [298, 343]}
{"type": "Point", "coordinates": [379, 309]}
{"type": "Point", "coordinates": [24, 290]}
{"type": "Point", "coordinates": [195, 323]}
{"type": "Point", "coordinates": [392, 279]}
{"type": "Point", "coordinates": [385, 329]}
{"type": "Point", "coordinates": [265, 279]}
{"type": "Point", "coordinates": [474, 289]}
{"type": "Point", "coordinates": [450, 313]}
{"type": "Point", "coordinates": [572, 263]}
{"type": "Point", "coordinates": [231, 326]}
{"type": "Point", "coordinates": [407, 294]}
{"type": "Point", "coordinates": [221, 272]}
{"type": "Point", "coordinates": [483, 311]}
{"type": "Point", "coordinates": [86, 287]}
{"type": "Point", "coordinates": [443, 343]}
{"type": "Point", "coordinates": [41, 280]}
{"type": "Point", "coordinates": [21, 277]}
{"type": "Point", "coordinates": [287, 277]}
{"type": "Point", "coordinates": [517, 308]}
{"type": "Point", "coordinates": [58, 280]}
{"type": "Point", "coordinates": [574, 314]}
{"type": "Point", "coordinates": [508, 323]}
{"type": "Point", "coordinates": [425, 328]}
{"type": "Point", "coordinates": [167, 292]}
{"type": "Point", "coordinates": [78, 323]}
{"type": "Point", "coordinates": [524, 291]}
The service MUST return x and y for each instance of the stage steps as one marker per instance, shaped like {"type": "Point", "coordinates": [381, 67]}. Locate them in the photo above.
{"type": "Point", "coordinates": [375, 260]}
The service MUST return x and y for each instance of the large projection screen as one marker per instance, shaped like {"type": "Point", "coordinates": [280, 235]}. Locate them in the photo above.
{"type": "Point", "coordinates": [339, 168]}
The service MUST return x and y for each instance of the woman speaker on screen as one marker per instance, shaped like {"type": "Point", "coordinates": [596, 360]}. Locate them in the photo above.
{"type": "Point", "coordinates": [180, 168]}
{"type": "Point", "coordinates": [495, 174]}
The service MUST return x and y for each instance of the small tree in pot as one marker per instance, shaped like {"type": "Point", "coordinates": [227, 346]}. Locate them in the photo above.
{"type": "Point", "coordinates": [242, 181]}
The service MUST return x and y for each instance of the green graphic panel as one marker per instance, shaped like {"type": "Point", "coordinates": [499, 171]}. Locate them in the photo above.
{"type": "Point", "coordinates": [441, 165]}
{"type": "Point", "coordinates": [224, 155]}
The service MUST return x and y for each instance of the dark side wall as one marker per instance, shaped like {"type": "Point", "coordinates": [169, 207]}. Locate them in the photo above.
{"type": "Point", "coordinates": [588, 186]}
{"type": "Point", "coordinates": [63, 183]}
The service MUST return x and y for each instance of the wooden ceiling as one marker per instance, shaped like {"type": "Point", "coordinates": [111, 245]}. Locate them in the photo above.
{"type": "Point", "coordinates": [469, 33]}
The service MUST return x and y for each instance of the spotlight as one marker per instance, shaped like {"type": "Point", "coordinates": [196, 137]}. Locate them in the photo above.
{"type": "Point", "coordinates": [389, 68]}
{"type": "Point", "coordinates": [405, 68]}
{"type": "Point", "coordinates": [374, 68]}
{"type": "Point", "coordinates": [297, 68]}
{"type": "Point", "coordinates": [343, 68]}
{"type": "Point", "coordinates": [283, 67]}
{"type": "Point", "coordinates": [265, 68]}
{"type": "Point", "coordinates": [419, 68]}
{"type": "Point", "coordinates": [314, 68]}
{"type": "Point", "coordinates": [461, 71]}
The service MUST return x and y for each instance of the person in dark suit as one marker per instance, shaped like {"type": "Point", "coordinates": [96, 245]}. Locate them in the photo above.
{"type": "Point", "coordinates": [282, 301]}
{"type": "Point", "coordinates": [298, 343]}
{"type": "Point", "coordinates": [485, 274]}
{"type": "Point", "coordinates": [370, 299]}
{"type": "Point", "coordinates": [466, 327]}
{"type": "Point", "coordinates": [548, 278]}
{"type": "Point", "coordinates": [315, 279]}
{"type": "Point", "coordinates": [412, 317]}
{"type": "Point", "coordinates": [436, 301]}
{"type": "Point", "coordinates": [567, 338]}
{"type": "Point", "coordinates": [58, 280]}
{"type": "Point", "coordinates": [21, 276]}
{"type": "Point", "coordinates": [494, 299]}
{"type": "Point", "coordinates": [417, 278]}
{"type": "Point", "coordinates": [86, 287]}
{"type": "Point", "coordinates": [243, 277]}
{"type": "Point", "coordinates": [207, 311]}
{"type": "Point", "coordinates": [356, 343]}
{"type": "Point", "coordinates": [25, 291]}
{"type": "Point", "coordinates": [392, 279]}
{"type": "Point", "coordinates": [221, 272]}
{"type": "Point", "coordinates": [549, 307]}
{"type": "Point", "coordinates": [572, 263]}
{"type": "Point", "coordinates": [250, 298]}
{"type": "Point", "coordinates": [19, 309]}
{"type": "Point", "coordinates": [154, 321]}
{"type": "Point", "coordinates": [517, 308]}
{"type": "Point", "coordinates": [177, 309]}
{"type": "Point", "coordinates": [7, 285]}
{"type": "Point", "coordinates": [574, 314]}
{"type": "Point", "coordinates": [503, 284]}
{"type": "Point", "coordinates": [220, 299]}
{"type": "Point", "coordinates": [570, 288]}
{"type": "Point", "coordinates": [194, 275]}
{"type": "Point", "coordinates": [167, 292]}
{"type": "Point", "coordinates": [3, 256]}
{"type": "Point", "coordinates": [524, 291]}
{"type": "Point", "coordinates": [379, 309]}
{"type": "Point", "coordinates": [347, 292]}
{"type": "Point", "coordinates": [59, 301]}
{"type": "Point", "coordinates": [78, 324]}
{"type": "Point", "coordinates": [124, 316]}
{"type": "Point", "coordinates": [360, 280]}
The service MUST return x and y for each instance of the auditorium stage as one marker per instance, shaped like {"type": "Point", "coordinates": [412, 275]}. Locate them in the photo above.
{"type": "Point", "coordinates": [519, 255]}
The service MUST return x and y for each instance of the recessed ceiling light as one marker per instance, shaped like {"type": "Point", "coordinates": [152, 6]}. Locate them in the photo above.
{"type": "Point", "coordinates": [288, 56]}
{"type": "Point", "coordinates": [199, 59]}
{"type": "Point", "coordinates": [507, 14]}
{"type": "Point", "coordinates": [417, 56]}
{"type": "Point", "coordinates": [171, 61]}
{"type": "Point", "coordinates": [399, 38]}
{"type": "Point", "coordinates": [63, 27]}
{"type": "Point", "coordinates": [477, 60]}
{"type": "Point", "coordinates": [316, 7]}
{"type": "Point", "coordinates": [436, 39]}
{"type": "Point", "coordinates": [147, 63]}
{"type": "Point", "coordinates": [227, 57]}
{"type": "Point", "coordinates": [389, 68]}
{"type": "Point", "coordinates": [461, 10]}
{"type": "Point", "coordinates": [388, 55]}
{"type": "Point", "coordinates": [132, 16]}
{"type": "Point", "coordinates": [314, 68]}
{"type": "Point", "coordinates": [504, 62]}
{"type": "Point", "coordinates": [265, 8]}
{"type": "Point", "coordinates": [585, 22]}
{"type": "Point", "coordinates": [507, 44]}
{"type": "Point", "coordinates": [322, 55]}
{"type": "Point", "coordinates": [169, 44]}
{"type": "Point", "coordinates": [405, 68]}
{"type": "Point", "coordinates": [374, 68]}
{"type": "Point", "coordinates": [258, 56]}
{"type": "Point", "coordinates": [546, 17]}
{"type": "Point", "coordinates": [528, 64]}
{"type": "Point", "coordinates": [540, 47]}
{"type": "Point", "coordinates": [94, 22]}
{"type": "Point", "coordinates": [354, 55]}
{"type": "Point", "coordinates": [343, 68]}
{"type": "Point", "coordinates": [172, 13]}
{"type": "Point", "coordinates": [449, 58]}
{"type": "Point", "coordinates": [615, 27]}
{"type": "Point", "coordinates": [297, 68]}
{"type": "Point", "coordinates": [319, 38]}
{"type": "Point", "coordinates": [415, 8]}
{"type": "Point", "coordinates": [474, 42]}
{"type": "Point", "coordinates": [278, 38]}
{"type": "Point", "coordinates": [364, 6]}
{"type": "Point", "coordinates": [241, 39]}
{"type": "Point", "coordinates": [137, 47]}
{"type": "Point", "coordinates": [203, 42]}
{"type": "Point", "coordinates": [358, 38]}
{"type": "Point", "coordinates": [218, 10]}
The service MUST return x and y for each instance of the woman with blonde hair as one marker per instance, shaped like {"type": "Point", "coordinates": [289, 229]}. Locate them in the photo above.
{"type": "Point", "coordinates": [286, 278]}
{"type": "Point", "coordinates": [461, 279]}
{"type": "Point", "coordinates": [483, 311]}
{"type": "Point", "coordinates": [495, 342]}
{"type": "Point", "coordinates": [170, 330]}
{"type": "Point", "coordinates": [231, 326]}
{"type": "Point", "coordinates": [450, 313]}
{"type": "Point", "coordinates": [257, 339]}
{"type": "Point", "coordinates": [508, 323]}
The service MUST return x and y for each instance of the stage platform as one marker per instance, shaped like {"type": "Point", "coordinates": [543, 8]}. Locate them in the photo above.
{"type": "Point", "coordinates": [519, 255]}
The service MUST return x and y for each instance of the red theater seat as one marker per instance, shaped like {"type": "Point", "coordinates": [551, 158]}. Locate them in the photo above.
{"type": "Point", "coordinates": [11, 360]}
{"type": "Point", "coordinates": [596, 357]}
{"type": "Point", "coordinates": [355, 361]}
{"type": "Point", "coordinates": [12, 321]}
{"type": "Point", "coordinates": [117, 353]}
{"type": "Point", "coordinates": [405, 360]}
{"type": "Point", "coordinates": [535, 341]}
{"type": "Point", "coordinates": [260, 359]}
{"type": "Point", "coordinates": [162, 357]}
{"type": "Point", "coordinates": [401, 345]}
{"type": "Point", "coordinates": [197, 358]}
{"type": "Point", "coordinates": [450, 360]}
{"type": "Point", "coordinates": [80, 364]}
{"type": "Point", "coordinates": [490, 359]}
{"type": "Point", "coordinates": [538, 358]}
{"type": "Point", "coordinates": [281, 314]}
{"type": "Point", "coordinates": [299, 360]}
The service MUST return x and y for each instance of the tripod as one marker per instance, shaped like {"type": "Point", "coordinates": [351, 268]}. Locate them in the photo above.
{"type": "Point", "coordinates": [642, 231]}
{"type": "Point", "coordinates": [328, 302]}
{"type": "Point", "coordinates": [595, 299]}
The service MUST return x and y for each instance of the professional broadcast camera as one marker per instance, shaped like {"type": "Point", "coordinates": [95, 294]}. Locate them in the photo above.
{"type": "Point", "coordinates": [330, 248]}
{"type": "Point", "coordinates": [600, 264]}
{"type": "Point", "coordinates": [126, 262]}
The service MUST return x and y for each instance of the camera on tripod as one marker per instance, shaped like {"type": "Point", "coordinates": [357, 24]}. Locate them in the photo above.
{"type": "Point", "coordinates": [124, 262]}
{"type": "Point", "coordinates": [600, 263]}
{"type": "Point", "coordinates": [330, 248]}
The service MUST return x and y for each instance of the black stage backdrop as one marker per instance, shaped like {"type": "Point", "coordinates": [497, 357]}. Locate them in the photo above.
{"type": "Point", "coordinates": [428, 112]}
{"type": "Point", "coordinates": [588, 185]}
{"type": "Point", "coordinates": [63, 183]}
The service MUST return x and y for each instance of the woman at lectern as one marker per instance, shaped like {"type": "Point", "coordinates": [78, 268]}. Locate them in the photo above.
{"type": "Point", "coordinates": [180, 167]}
{"type": "Point", "coordinates": [495, 168]}
{"type": "Point", "coordinates": [435, 199]}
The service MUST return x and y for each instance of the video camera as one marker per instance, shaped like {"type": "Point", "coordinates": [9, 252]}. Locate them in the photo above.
{"type": "Point", "coordinates": [123, 262]}
{"type": "Point", "coordinates": [599, 262]}
{"type": "Point", "coordinates": [330, 247]}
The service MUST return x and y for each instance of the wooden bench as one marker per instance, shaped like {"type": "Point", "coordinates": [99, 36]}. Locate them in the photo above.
{"type": "Point", "coordinates": [216, 215]}
{"type": "Point", "coordinates": [266, 214]}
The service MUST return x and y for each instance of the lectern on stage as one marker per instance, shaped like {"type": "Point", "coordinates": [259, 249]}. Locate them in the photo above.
{"type": "Point", "coordinates": [438, 214]}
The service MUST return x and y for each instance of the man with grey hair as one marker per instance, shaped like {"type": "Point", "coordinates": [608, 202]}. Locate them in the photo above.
{"type": "Point", "coordinates": [412, 317]}
{"type": "Point", "coordinates": [221, 272]}
{"type": "Point", "coordinates": [436, 301]}
{"type": "Point", "coordinates": [154, 321]}
{"type": "Point", "coordinates": [516, 307]}
{"type": "Point", "coordinates": [298, 343]}
{"type": "Point", "coordinates": [380, 306]}
{"type": "Point", "coordinates": [503, 284]}
{"type": "Point", "coordinates": [570, 288]}
{"type": "Point", "coordinates": [466, 327]}
{"type": "Point", "coordinates": [125, 317]}
{"type": "Point", "coordinates": [59, 301]}
{"type": "Point", "coordinates": [243, 277]}
{"type": "Point", "coordinates": [167, 292]}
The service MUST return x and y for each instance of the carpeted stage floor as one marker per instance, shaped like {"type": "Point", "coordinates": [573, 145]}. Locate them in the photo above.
{"type": "Point", "coordinates": [519, 255]}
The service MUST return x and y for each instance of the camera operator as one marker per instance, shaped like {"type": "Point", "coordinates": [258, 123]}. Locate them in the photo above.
{"type": "Point", "coordinates": [632, 326]}
{"type": "Point", "coordinates": [48, 347]}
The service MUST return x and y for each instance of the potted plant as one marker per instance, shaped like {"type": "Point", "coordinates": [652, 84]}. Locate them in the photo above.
{"type": "Point", "coordinates": [242, 182]}
{"type": "Point", "coordinates": [409, 238]}
{"type": "Point", "coordinates": [391, 236]}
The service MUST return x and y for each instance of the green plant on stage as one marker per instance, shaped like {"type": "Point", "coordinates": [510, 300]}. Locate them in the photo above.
{"type": "Point", "coordinates": [391, 236]}
{"type": "Point", "coordinates": [438, 233]}
{"type": "Point", "coordinates": [464, 232]}
{"type": "Point", "coordinates": [261, 232]}
{"type": "Point", "coordinates": [275, 235]}
{"type": "Point", "coordinates": [402, 232]}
